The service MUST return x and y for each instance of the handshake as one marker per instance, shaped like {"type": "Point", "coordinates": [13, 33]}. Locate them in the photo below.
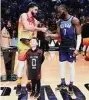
{"type": "Point", "coordinates": [47, 35]}
{"type": "Point", "coordinates": [46, 32]}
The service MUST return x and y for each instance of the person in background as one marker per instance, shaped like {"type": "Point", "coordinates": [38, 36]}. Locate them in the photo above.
{"type": "Point", "coordinates": [85, 35]}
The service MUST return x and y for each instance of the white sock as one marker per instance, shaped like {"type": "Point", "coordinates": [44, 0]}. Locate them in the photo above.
{"type": "Point", "coordinates": [21, 68]}
{"type": "Point", "coordinates": [62, 69]}
{"type": "Point", "coordinates": [72, 71]}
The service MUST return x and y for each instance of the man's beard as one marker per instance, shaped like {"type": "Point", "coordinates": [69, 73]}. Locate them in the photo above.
{"type": "Point", "coordinates": [34, 15]}
{"type": "Point", "coordinates": [62, 15]}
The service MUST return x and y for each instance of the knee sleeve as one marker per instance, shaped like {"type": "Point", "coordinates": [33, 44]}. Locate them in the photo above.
{"type": "Point", "coordinates": [72, 72]}
{"type": "Point", "coordinates": [62, 69]}
{"type": "Point", "coordinates": [21, 68]}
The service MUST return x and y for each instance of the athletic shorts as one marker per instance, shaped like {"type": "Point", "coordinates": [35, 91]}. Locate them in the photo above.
{"type": "Point", "coordinates": [66, 56]}
{"type": "Point", "coordinates": [22, 52]}
{"type": "Point", "coordinates": [22, 49]}
{"type": "Point", "coordinates": [22, 55]}
{"type": "Point", "coordinates": [86, 41]}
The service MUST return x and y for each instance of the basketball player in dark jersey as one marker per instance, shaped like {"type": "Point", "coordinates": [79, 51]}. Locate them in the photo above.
{"type": "Point", "coordinates": [35, 59]}
{"type": "Point", "coordinates": [68, 27]}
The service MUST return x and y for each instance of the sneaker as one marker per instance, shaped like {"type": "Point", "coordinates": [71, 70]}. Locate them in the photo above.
{"type": "Point", "coordinates": [61, 87]}
{"type": "Point", "coordinates": [28, 86]}
{"type": "Point", "coordinates": [18, 90]}
{"type": "Point", "coordinates": [36, 94]}
{"type": "Point", "coordinates": [70, 90]}
{"type": "Point", "coordinates": [32, 94]}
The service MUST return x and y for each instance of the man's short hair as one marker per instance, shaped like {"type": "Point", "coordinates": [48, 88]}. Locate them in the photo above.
{"type": "Point", "coordinates": [31, 5]}
{"type": "Point", "coordinates": [64, 7]}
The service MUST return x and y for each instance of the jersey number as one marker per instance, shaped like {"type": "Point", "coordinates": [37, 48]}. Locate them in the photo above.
{"type": "Point", "coordinates": [33, 62]}
{"type": "Point", "coordinates": [64, 31]}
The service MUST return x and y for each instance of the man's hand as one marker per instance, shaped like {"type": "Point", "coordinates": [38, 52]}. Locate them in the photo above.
{"type": "Point", "coordinates": [47, 35]}
{"type": "Point", "coordinates": [44, 29]}
{"type": "Point", "coordinates": [75, 53]}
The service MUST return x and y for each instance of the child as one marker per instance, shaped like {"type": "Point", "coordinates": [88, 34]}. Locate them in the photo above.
{"type": "Point", "coordinates": [35, 59]}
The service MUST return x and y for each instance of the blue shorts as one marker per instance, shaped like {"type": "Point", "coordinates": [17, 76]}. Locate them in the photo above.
{"type": "Point", "coordinates": [66, 56]}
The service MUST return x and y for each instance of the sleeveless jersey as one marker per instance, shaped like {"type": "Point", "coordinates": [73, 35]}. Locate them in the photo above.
{"type": "Point", "coordinates": [22, 46]}
{"type": "Point", "coordinates": [34, 59]}
{"type": "Point", "coordinates": [68, 37]}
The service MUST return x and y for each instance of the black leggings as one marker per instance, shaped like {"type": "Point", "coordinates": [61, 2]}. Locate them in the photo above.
{"type": "Point", "coordinates": [36, 85]}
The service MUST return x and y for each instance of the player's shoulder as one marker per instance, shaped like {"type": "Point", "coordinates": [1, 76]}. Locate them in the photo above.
{"type": "Point", "coordinates": [75, 19]}
{"type": "Point", "coordinates": [23, 15]}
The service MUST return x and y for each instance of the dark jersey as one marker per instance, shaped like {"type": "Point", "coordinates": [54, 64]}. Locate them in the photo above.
{"type": "Point", "coordinates": [85, 30]}
{"type": "Point", "coordinates": [68, 38]}
{"type": "Point", "coordinates": [34, 59]}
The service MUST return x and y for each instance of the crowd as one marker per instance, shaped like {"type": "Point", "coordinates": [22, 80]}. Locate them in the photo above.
{"type": "Point", "coordinates": [47, 15]}
{"type": "Point", "coordinates": [11, 9]}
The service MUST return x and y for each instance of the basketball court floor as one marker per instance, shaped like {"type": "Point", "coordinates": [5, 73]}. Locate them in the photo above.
{"type": "Point", "coordinates": [50, 80]}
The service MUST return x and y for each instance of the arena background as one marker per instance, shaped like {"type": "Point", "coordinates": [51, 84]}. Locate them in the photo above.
{"type": "Point", "coordinates": [10, 12]}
